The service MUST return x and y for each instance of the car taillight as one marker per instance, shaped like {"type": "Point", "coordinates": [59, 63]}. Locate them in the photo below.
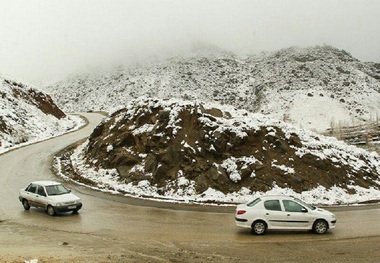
{"type": "Point", "coordinates": [240, 212]}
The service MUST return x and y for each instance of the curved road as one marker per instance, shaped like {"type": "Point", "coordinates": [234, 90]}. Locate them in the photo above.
{"type": "Point", "coordinates": [115, 229]}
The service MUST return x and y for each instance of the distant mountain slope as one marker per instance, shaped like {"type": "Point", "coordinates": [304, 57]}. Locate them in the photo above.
{"type": "Point", "coordinates": [27, 114]}
{"type": "Point", "coordinates": [316, 86]}
{"type": "Point", "coordinates": [309, 87]}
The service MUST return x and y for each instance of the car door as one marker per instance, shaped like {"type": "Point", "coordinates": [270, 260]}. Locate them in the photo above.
{"type": "Point", "coordinates": [274, 214]}
{"type": "Point", "coordinates": [31, 193]}
{"type": "Point", "coordinates": [40, 198]}
{"type": "Point", "coordinates": [297, 215]}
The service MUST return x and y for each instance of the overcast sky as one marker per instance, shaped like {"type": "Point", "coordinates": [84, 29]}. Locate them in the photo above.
{"type": "Point", "coordinates": [44, 40]}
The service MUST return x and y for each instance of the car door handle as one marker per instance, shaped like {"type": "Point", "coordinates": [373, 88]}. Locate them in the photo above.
{"type": "Point", "coordinates": [267, 214]}
{"type": "Point", "coordinates": [288, 214]}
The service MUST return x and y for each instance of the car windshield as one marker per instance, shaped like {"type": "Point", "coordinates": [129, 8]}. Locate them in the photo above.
{"type": "Point", "coordinates": [305, 204]}
{"type": "Point", "coordinates": [57, 189]}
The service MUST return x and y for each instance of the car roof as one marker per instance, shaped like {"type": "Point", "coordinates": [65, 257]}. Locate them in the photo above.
{"type": "Point", "coordinates": [45, 183]}
{"type": "Point", "coordinates": [277, 197]}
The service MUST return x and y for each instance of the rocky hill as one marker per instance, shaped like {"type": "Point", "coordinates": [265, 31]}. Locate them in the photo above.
{"type": "Point", "coordinates": [27, 115]}
{"type": "Point", "coordinates": [289, 85]}
{"type": "Point", "coordinates": [196, 151]}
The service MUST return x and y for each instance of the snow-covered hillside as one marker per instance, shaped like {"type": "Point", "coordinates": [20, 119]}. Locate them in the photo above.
{"type": "Point", "coordinates": [28, 115]}
{"type": "Point", "coordinates": [309, 87]}
{"type": "Point", "coordinates": [319, 86]}
{"type": "Point", "coordinates": [199, 152]}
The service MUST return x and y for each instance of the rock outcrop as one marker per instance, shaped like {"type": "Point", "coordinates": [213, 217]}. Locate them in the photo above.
{"type": "Point", "coordinates": [176, 145]}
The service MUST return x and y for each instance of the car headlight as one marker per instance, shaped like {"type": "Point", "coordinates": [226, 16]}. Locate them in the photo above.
{"type": "Point", "coordinates": [59, 204]}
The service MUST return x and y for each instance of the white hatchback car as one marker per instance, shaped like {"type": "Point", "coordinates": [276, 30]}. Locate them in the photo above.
{"type": "Point", "coordinates": [50, 195]}
{"type": "Point", "coordinates": [283, 212]}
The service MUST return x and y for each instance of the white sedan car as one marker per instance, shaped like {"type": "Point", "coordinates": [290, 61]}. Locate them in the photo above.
{"type": "Point", "coordinates": [50, 195]}
{"type": "Point", "coordinates": [283, 212]}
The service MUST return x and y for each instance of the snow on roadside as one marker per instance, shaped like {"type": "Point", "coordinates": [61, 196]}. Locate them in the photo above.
{"type": "Point", "coordinates": [107, 181]}
{"type": "Point", "coordinates": [68, 124]}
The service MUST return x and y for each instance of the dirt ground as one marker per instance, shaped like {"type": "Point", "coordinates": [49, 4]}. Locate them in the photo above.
{"type": "Point", "coordinates": [20, 243]}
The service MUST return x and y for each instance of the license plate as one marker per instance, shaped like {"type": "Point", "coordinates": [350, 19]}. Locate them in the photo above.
{"type": "Point", "coordinates": [72, 207]}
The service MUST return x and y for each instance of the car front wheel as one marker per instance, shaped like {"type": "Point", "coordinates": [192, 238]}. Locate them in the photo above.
{"type": "Point", "coordinates": [320, 227]}
{"type": "Point", "coordinates": [25, 204]}
{"type": "Point", "coordinates": [259, 228]}
{"type": "Point", "coordinates": [50, 210]}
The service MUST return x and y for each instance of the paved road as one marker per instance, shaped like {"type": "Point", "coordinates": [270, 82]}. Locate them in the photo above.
{"type": "Point", "coordinates": [114, 229]}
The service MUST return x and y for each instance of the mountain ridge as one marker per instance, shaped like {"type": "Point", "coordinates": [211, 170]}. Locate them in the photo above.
{"type": "Point", "coordinates": [274, 84]}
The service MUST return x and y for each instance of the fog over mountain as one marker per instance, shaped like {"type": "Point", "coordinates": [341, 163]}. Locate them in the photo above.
{"type": "Point", "coordinates": [46, 40]}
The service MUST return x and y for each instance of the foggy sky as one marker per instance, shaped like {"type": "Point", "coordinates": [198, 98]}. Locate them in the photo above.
{"type": "Point", "coordinates": [45, 40]}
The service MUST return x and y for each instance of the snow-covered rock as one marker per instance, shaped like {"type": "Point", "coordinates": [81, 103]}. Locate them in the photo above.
{"type": "Point", "coordinates": [196, 151]}
{"type": "Point", "coordinates": [28, 115]}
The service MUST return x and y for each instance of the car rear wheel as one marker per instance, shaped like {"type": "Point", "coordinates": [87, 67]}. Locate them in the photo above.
{"type": "Point", "coordinates": [25, 204]}
{"type": "Point", "coordinates": [50, 210]}
{"type": "Point", "coordinates": [320, 227]}
{"type": "Point", "coordinates": [259, 228]}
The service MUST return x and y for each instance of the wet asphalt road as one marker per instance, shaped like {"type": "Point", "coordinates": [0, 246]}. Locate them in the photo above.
{"type": "Point", "coordinates": [161, 225]}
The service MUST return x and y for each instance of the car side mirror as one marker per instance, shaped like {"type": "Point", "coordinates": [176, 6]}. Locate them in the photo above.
{"type": "Point", "coordinates": [304, 210]}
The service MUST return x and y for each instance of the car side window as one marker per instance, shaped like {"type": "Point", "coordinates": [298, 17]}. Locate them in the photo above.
{"type": "Point", "coordinates": [31, 188]}
{"type": "Point", "coordinates": [291, 206]}
{"type": "Point", "coordinates": [254, 202]}
{"type": "Point", "coordinates": [272, 205]}
{"type": "Point", "coordinates": [41, 191]}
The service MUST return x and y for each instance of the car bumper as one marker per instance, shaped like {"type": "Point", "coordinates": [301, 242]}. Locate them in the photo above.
{"type": "Point", "coordinates": [241, 222]}
{"type": "Point", "coordinates": [67, 208]}
{"type": "Point", "coordinates": [332, 224]}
